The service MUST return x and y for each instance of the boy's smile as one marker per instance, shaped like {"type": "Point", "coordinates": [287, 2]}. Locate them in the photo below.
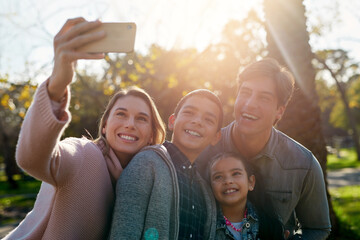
{"type": "Point", "coordinates": [195, 126]}
{"type": "Point", "coordinates": [193, 133]}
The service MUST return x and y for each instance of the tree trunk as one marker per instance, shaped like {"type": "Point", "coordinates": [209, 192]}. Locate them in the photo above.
{"type": "Point", "coordinates": [288, 42]}
{"type": "Point", "coordinates": [9, 159]}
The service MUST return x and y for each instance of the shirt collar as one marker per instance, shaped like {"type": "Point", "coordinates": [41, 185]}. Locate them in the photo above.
{"type": "Point", "coordinates": [179, 159]}
{"type": "Point", "coordinates": [269, 149]}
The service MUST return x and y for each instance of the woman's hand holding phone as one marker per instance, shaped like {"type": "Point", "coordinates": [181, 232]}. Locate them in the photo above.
{"type": "Point", "coordinates": [74, 34]}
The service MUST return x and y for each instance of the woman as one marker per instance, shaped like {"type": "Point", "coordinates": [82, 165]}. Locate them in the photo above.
{"type": "Point", "coordinates": [77, 194]}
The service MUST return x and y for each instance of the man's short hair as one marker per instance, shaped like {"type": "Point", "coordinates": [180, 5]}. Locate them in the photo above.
{"type": "Point", "coordinates": [205, 94]}
{"type": "Point", "coordinates": [270, 68]}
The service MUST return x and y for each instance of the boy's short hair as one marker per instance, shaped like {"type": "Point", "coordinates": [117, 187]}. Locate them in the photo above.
{"type": "Point", "coordinates": [205, 94]}
{"type": "Point", "coordinates": [270, 68]}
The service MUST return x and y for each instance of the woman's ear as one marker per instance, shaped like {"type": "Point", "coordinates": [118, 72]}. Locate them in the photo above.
{"type": "Point", "coordinates": [251, 182]}
{"type": "Point", "coordinates": [151, 139]}
{"type": "Point", "coordinates": [103, 130]}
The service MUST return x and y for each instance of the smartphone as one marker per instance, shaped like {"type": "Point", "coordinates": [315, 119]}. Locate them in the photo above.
{"type": "Point", "coordinates": [120, 38]}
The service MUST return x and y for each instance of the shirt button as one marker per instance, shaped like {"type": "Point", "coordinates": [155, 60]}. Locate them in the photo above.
{"type": "Point", "coordinates": [190, 235]}
{"type": "Point", "coordinates": [193, 207]}
{"type": "Point", "coordinates": [184, 167]}
{"type": "Point", "coordinates": [190, 167]}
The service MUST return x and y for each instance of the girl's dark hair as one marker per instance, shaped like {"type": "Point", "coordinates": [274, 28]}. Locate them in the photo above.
{"type": "Point", "coordinates": [270, 226]}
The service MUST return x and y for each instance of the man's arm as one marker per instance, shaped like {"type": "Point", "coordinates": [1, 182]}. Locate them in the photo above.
{"type": "Point", "coordinates": [312, 209]}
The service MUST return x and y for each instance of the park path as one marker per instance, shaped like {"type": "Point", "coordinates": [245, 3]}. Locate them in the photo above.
{"type": "Point", "coordinates": [336, 178]}
{"type": "Point", "coordinates": [343, 177]}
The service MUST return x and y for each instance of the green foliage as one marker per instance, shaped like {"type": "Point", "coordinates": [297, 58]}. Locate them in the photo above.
{"type": "Point", "coordinates": [15, 99]}
{"type": "Point", "coordinates": [346, 202]}
{"type": "Point", "coordinates": [16, 203]}
{"type": "Point", "coordinates": [348, 159]}
{"type": "Point", "coordinates": [25, 187]}
{"type": "Point", "coordinates": [346, 71]}
{"type": "Point", "coordinates": [14, 208]}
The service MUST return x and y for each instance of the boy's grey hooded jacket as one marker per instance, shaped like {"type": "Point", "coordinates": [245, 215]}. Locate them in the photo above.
{"type": "Point", "coordinates": [147, 199]}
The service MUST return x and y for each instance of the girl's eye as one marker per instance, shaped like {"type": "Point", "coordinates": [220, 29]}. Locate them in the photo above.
{"type": "Point", "coordinates": [218, 177]}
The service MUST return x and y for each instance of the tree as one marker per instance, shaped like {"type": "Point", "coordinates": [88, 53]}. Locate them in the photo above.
{"type": "Point", "coordinates": [14, 101]}
{"type": "Point", "coordinates": [339, 65]}
{"type": "Point", "coordinates": [288, 41]}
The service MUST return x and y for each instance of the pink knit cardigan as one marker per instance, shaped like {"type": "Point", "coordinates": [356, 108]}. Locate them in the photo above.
{"type": "Point", "coordinates": [77, 192]}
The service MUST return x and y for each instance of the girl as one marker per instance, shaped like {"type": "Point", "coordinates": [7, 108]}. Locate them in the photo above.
{"type": "Point", "coordinates": [79, 175]}
{"type": "Point", "coordinates": [245, 212]}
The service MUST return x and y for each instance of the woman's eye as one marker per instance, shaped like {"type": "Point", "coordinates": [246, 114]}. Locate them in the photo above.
{"type": "Point", "coordinates": [120, 114]}
{"type": "Point", "coordinates": [143, 119]}
{"type": "Point", "coordinates": [237, 174]}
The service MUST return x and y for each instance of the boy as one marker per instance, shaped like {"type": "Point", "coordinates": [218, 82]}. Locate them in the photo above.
{"type": "Point", "coordinates": [161, 195]}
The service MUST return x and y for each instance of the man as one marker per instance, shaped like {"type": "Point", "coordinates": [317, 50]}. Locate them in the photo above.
{"type": "Point", "coordinates": [292, 175]}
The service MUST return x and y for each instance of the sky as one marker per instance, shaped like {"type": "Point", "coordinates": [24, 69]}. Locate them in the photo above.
{"type": "Point", "coordinates": [27, 27]}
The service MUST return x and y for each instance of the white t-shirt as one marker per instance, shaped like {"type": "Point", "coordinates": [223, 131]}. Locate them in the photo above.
{"type": "Point", "coordinates": [236, 234]}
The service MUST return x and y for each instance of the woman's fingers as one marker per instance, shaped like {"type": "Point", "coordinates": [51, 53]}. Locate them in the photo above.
{"type": "Point", "coordinates": [70, 23]}
{"type": "Point", "coordinates": [65, 44]}
{"type": "Point", "coordinates": [72, 29]}
{"type": "Point", "coordinates": [67, 52]}
{"type": "Point", "coordinates": [80, 29]}
{"type": "Point", "coordinates": [85, 38]}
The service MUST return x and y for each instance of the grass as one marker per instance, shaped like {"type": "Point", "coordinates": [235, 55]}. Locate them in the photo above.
{"type": "Point", "coordinates": [16, 203]}
{"type": "Point", "coordinates": [25, 187]}
{"type": "Point", "coordinates": [346, 200]}
{"type": "Point", "coordinates": [346, 203]}
{"type": "Point", "coordinates": [348, 159]}
{"type": "Point", "coordinates": [13, 209]}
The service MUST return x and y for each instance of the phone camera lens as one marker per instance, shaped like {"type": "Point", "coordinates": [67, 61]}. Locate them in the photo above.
{"type": "Point", "coordinates": [129, 27]}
